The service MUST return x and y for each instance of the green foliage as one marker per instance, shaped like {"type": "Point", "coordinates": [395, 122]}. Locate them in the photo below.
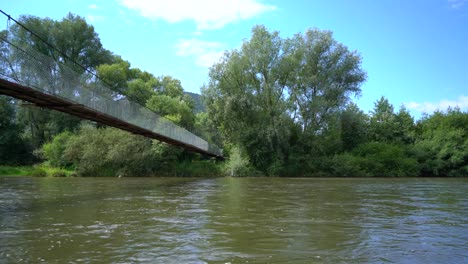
{"type": "Point", "coordinates": [388, 126]}
{"type": "Point", "coordinates": [347, 165]}
{"type": "Point", "coordinates": [46, 170]}
{"type": "Point", "coordinates": [442, 146]}
{"type": "Point", "coordinates": [170, 87]}
{"type": "Point", "coordinates": [39, 172]}
{"type": "Point", "coordinates": [14, 149]}
{"type": "Point", "coordinates": [47, 130]}
{"type": "Point", "coordinates": [283, 103]}
{"type": "Point", "coordinates": [198, 105]}
{"type": "Point", "coordinates": [116, 74]}
{"type": "Point", "coordinates": [325, 73]}
{"type": "Point", "coordinates": [53, 151]}
{"type": "Point", "coordinates": [173, 108]}
{"type": "Point", "coordinates": [78, 42]}
{"type": "Point", "coordinates": [206, 129]}
{"type": "Point", "coordinates": [376, 159]}
{"type": "Point", "coordinates": [248, 108]}
{"type": "Point", "coordinates": [273, 91]}
{"type": "Point", "coordinates": [163, 95]}
{"type": "Point", "coordinates": [382, 122]}
{"type": "Point", "coordinates": [110, 152]}
{"type": "Point", "coordinates": [237, 164]}
{"type": "Point", "coordinates": [76, 38]}
{"type": "Point", "coordinates": [405, 130]}
{"type": "Point", "coordinates": [354, 127]}
{"type": "Point", "coordinates": [382, 159]}
{"type": "Point", "coordinates": [16, 170]}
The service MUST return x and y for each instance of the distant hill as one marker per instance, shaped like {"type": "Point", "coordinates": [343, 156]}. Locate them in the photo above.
{"type": "Point", "coordinates": [197, 99]}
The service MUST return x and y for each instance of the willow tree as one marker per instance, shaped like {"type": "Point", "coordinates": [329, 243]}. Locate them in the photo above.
{"type": "Point", "coordinates": [273, 93]}
{"type": "Point", "coordinates": [246, 97]}
{"type": "Point", "coordinates": [324, 75]}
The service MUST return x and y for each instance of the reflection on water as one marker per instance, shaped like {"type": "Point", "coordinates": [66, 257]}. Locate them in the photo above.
{"type": "Point", "coordinates": [232, 220]}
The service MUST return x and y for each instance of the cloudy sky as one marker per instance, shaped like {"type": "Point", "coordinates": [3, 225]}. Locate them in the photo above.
{"type": "Point", "coordinates": [415, 52]}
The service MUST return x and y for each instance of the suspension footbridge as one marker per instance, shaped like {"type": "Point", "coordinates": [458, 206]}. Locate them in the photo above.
{"type": "Point", "coordinates": [31, 76]}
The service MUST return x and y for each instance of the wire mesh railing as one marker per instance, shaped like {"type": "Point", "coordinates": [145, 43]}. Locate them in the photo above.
{"type": "Point", "coordinates": [30, 68]}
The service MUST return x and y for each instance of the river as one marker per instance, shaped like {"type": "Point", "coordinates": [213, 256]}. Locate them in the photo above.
{"type": "Point", "coordinates": [233, 220]}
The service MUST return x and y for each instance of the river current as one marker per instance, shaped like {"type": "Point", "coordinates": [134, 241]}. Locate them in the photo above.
{"type": "Point", "coordinates": [233, 220]}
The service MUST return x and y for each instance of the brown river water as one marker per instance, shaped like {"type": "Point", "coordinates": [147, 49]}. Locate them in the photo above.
{"type": "Point", "coordinates": [233, 220]}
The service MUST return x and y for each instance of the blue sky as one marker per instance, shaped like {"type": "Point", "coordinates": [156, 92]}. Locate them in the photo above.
{"type": "Point", "coordinates": [414, 51]}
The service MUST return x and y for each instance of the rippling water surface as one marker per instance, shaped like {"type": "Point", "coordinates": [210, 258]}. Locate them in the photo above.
{"type": "Point", "coordinates": [233, 220]}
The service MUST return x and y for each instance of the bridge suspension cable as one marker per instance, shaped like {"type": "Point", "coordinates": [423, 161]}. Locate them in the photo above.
{"type": "Point", "coordinates": [29, 75]}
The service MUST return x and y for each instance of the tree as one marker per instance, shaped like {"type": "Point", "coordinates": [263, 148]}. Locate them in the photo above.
{"type": "Point", "coordinates": [354, 127]}
{"type": "Point", "coordinates": [163, 95]}
{"type": "Point", "coordinates": [325, 74]}
{"type": "Point", "coordinates": [237, 165]}
{"type": "Point", "coordinates": [116, 75]}
{"type": "Point", "coordinates": [173, 108]}
{"type": "Point", "coordinates": [78, 40]}
{"type": "Point", "coordinates": [442, 144]}
{"type": "Point", "coordinates": [390, 127]}
{"type": "Point", "coordinates": [376, 159]}
{"type": "Point", "coordinates": [74, 41]}
{"type": "Point", "coordinates": [405, 127]}
{"type": "Point", "coordinates": [206, 128]}
{"type": "Point", "coordinates": [109, 152]}
{"type": "Point", "coordinates": [14, 149]}
{"type": "Point", "coordinates": [245, 97]}
{"type": "Point", "coordinates": [382, 121]}
{"type": "Point", "coordinates": [273, 92]}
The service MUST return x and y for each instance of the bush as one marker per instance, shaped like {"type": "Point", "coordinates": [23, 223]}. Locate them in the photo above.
{"type": "Point", "coordinates": [16, 171]}
{"type": "Point", "coordinates": [39, 172]}
{"type": "Point", "coordinates": [376, 159]}
{"type": "Point", "coordinates": [347, 165]}
{"type": "Point", "coordinates": [59, 174]}
{"type": "Point", "coordinates": [237, 164]}
{"type": "Point", "coordinates": [382, 159]}
{"type": "Point", "coordinates": [111, 152]}
{"type": "Point", "coordinates": [53, 151]}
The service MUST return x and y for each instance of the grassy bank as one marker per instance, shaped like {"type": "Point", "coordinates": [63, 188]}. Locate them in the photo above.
{"type": "Point", "coordinates": [40, 170]}
{"type": "Point", "coordinates": [16, 171]}
{"type": "Point", "coordinates": [182, 169]}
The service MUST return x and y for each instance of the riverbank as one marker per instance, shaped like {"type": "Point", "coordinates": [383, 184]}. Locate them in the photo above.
{"type": "Point", "coordinates": [182, 169]}
{"type": "Point", "coordinates": [39, 170]}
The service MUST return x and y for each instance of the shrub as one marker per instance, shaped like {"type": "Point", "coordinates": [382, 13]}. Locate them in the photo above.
{"type": "Point", "coordinates": [54, 150]}
{"type": "Point", "coordinates": [59, 173]}
{"type": "Point", "coordinates": [39, 172]}
{"type": "Point", "coordinates": [237, 164]}
{"type": "Point", "coordinates": [382, 159]}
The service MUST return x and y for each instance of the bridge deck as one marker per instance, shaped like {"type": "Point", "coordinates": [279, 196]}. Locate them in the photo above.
{"type": "Point", "coordinates": [42, 99]}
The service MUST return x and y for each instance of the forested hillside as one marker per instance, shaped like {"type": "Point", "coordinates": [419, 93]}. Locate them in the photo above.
{"type": "Point", "coordinates": [284, 108]}
{"type": "Point", "coordinates": [197, 100]}
{"type": "Point", "coordinates": [278, 106]}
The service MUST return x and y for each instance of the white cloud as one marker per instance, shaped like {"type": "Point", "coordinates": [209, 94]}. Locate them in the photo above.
{"type": "Point", "coordinates": [207, 14]}
{"type": "Point", "coordinates": [93, 19]}
{"type": "Point", "coordinates": [92, 6]}
{"type": "Point", "coordinates": [428, 107]}
{"type": "Point", "coordinates": [456, 4]}
{"type": "Point", "coordinates": [206, 53]}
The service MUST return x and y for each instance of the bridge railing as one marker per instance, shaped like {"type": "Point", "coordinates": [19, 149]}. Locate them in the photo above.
{"type": "Point", "coordinates": [30, 68]}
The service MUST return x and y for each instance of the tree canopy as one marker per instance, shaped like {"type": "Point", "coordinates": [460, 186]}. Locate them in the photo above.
{"type": "Point", "coordinates": [279, 107]}
{"type": "Point", "coordinates": [273, 90]}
